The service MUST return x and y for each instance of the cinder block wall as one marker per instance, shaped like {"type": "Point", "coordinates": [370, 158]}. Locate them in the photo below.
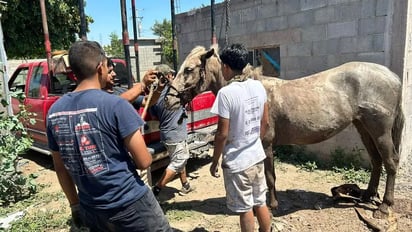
{"type": "Point", "coordinates": [150, 55]}
{"type": "Point", "coordinates": [312, 35]}
{"type": "Point", "coordinates": [406, 149]}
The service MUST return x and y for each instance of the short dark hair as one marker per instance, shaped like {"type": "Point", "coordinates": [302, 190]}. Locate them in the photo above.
{"type": "Point", "coordinates": [235, 56]}
{"type": "Point", "coordinates": [84, 57]}
{"type": "Point", "coordinates": [110, 62]}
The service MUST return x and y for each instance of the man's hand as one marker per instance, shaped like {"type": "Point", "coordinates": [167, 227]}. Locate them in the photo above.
{"type": "Point", "coordinates": [214, 169]}
{"type": "Point", "coordinates": [76, 217]}
{"type": "Point", "coordinates": [149, 78]}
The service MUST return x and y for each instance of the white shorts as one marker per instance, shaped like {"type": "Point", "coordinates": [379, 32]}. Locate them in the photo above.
{"type": "Point", "coordinates": [245, 189]}
{"type": "Point", "coordinates": [179, 154]}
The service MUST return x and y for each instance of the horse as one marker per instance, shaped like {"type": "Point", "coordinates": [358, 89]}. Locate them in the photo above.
{"type": "Point", "coordinates": [314, 108]}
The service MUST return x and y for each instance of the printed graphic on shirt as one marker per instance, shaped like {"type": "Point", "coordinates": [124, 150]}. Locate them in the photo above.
{"type": "Point", "coordinates": [252, 116]}
{"type": "Point", "coordinates": [78, 135]}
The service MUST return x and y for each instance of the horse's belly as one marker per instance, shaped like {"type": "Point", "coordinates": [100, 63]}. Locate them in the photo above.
{"type": "Point", "coordinates": [306, 133]}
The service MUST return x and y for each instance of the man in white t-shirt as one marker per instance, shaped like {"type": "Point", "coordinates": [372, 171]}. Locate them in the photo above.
{"type": "Point", "coordinates": [243, 120]}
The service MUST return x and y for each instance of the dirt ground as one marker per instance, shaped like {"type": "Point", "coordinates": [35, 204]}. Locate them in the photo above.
{"type": "Point", "coordinates": [305, 202]}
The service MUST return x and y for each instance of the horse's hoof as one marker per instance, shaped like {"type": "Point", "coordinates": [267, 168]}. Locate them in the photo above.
{"type": "Point", "coordinates": [382, 212]}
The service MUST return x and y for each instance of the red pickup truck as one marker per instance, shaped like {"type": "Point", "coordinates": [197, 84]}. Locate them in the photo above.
{"type": "Point", "coordinates": [42, 90]}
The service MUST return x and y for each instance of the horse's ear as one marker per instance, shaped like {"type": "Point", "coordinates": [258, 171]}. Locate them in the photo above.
{"type": "Point", "coordinates": [208, 54]}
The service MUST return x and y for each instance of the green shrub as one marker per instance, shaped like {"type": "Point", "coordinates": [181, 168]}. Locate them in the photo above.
{"type": "Point", "coordinates": [14, 140]}
{"type": "Point", "coordinates": [342, 159]}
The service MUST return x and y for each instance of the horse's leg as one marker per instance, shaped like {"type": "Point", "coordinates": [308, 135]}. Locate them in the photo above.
{"type": "Point", "coordinates": [382, 138]}
{"type": "Point", "coordinates": [376, 161]}
{"type": "Point", "coordinates": [390, 159]}
{"type": "Point", "coordinates": [270, 175]}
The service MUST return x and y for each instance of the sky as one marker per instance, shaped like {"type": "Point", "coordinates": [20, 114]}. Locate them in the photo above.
{"type": "Point", "coordinates": [107, 16]}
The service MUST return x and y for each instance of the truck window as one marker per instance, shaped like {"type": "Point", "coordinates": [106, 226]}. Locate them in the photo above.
{"type": "Point", "coordinates": [35, 82]}
{"type": "Point", "coordinates": [61, 83]}
{"type": "Point", "coordinates": [18, 83]}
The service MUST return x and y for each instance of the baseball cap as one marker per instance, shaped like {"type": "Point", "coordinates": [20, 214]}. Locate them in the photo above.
{"type": "Point", "coordinates": [164, 68]}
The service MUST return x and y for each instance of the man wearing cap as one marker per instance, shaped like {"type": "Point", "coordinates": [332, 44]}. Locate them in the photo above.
{"type": "Point", "coordinates": [133, 95]}
{"type": "Point", "coordinates": [173, 134]}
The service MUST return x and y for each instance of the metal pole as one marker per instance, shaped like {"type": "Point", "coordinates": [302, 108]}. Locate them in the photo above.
{"type": "Point", "coordinates": [83, 23]}
{"type": "Point", "coordinates": [212, 20]}
{"type": "Point", "coordinates": [136, 42]}
{"type": "Point", "coordinates": [126, 42]}
{"type": "Point", "coordinates": [174, 40]}
{"type": "Point", "coordinates": [5, 76]}
{"type": "Point", "coordinates": [47, 44]}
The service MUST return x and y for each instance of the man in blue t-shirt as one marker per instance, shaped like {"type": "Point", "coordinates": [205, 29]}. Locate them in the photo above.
{"type": "Point", "coordinates": [173, 133]}
{"type": "Point", "coordinates": [96, 146]}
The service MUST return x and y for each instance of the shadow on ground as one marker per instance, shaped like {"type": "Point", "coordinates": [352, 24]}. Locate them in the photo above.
{"type": "Point", "coordinates": [40, 159]}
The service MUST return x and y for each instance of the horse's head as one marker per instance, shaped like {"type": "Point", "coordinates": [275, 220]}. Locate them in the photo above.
{"type": "Point", "coordinates": [201, 71]}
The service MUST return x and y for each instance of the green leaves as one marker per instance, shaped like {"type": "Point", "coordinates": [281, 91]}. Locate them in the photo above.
{"type": "Point", "coordinates": [164, 30]}
{"type": "Point", "coordinates": [115, 49]}
{"type": "Point", "coordinates": [23, 30]}
{"type": "Point", "coordinates": [14, 140]}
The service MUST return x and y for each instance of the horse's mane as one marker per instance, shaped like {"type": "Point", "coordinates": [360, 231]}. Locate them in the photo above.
{"type": "Point", "coordinates": [250, 72]}
{"type": "Point", "coordinates": [196, 52]}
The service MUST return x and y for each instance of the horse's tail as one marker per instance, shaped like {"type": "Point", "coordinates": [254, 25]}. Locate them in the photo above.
{"type": "Point", "coordinates": [398, 126]}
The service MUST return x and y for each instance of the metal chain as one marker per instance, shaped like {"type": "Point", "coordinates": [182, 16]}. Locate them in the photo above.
{"type": "Point", "coordinates": [227, 26]}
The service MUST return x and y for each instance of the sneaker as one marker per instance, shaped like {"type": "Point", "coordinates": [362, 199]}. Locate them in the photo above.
{"type": "Point", "coordinates": [186, 189]}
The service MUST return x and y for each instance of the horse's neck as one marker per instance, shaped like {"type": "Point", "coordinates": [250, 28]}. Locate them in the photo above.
{"type": "Point", "coordinates": [217, 82]}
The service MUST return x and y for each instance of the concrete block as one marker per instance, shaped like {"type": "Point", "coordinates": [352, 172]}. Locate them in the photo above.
{"type": "Point", "coordinates": [348, 57]}
{"type": "Point", "coordinates": [301, 19]}
{"type": "Point", "coordinates": [313, 64]}
{"type": "Point", "coordinates": [270, 9]}
{"type": "Point", "coordinates": [325, 47]}
{"type": "Point", "coordinates": [357, 44]}
{"type": "Point", "coordinates": [319, 48]}
{"type": "Point", "coordinates": [273, 38]}
{"type": "Point", "coordinates": [283, 51]}
{"type": "Point", "coordinates": [349, 11]}
{"type": "Point", "coordinates": [314, 33]}
{"type": "Point", "coordinates": [368, 8]}
{"type": "Point", "coordinates": [257, 26]}
{"type": "Point", "coordinates": [276, 23]}
{"type": "Point", "coordinates": [325, 15]}
{"type": "Point", "coordinates": [378, 43]}
{"type": "Point", "coordinates": [341, 29]}
{"type": "Point", "coordinates": [287, 7]}
{"type": "Point", "coordinates": [382, 7]}
{"type": "Point", "coordinates": [370, 26]}
{"type": "Point", "coordinates": [293, 74]}
{"type": "Point", "coordinates": [300, 49]}
{"type": "Point", "coordinates": [374, 57]}
{"type": "Point", "coordinates": [289, 62]}
{"type": "Point", "coordinates": [338, 2]}
{"type": "Point", "coordinates": [247, 14]}
{"type": "Point", "coordinates": [312, 4]}
{"type": "Point", "coordinates": [332, 60]}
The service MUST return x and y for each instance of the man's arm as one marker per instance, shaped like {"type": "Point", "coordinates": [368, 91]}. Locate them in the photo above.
{"type": "Point", "coordinates": [264, 123]}
{"type": "Point", "coordinates": [137, 147]}
{"type": "Point", "coordinates": [219, 143]}
{"type": "Point", "coordinates": [155, 97]}
{"type": "Point", "coordinates": [65, 180]}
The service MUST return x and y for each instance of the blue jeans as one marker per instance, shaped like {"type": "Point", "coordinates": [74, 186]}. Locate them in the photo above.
{"type": "Point", "coordinates": [143, 215]}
